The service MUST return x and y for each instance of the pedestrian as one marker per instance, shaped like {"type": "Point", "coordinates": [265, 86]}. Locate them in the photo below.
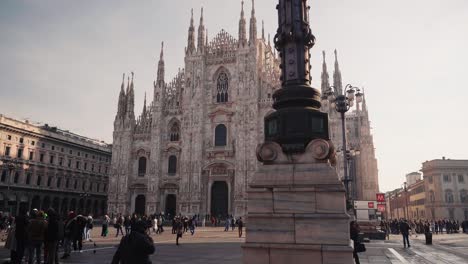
{"type": "Point", "coordinates": [68, 234]}
{"type": "Point", "coordinates": [240, 225]}
{"type": "Point", "coordinates": [354, 235]}
{"type": "Point", "coordinates": [233, 223]}
{"type": "Point", "coordinates": [52, 236]}
{"type": "Point", "coordinates": [118, 225]}
{"type": "Point", "coordinates": [77, 233]}
{"type": "Point", "coordinates": [36, 230]}
{"type": "Point", "coordinates": [179, 229]}
{"type": "Point", "coordinates": [404, 229]}
{"type": "Point", "coordinates": [21, 224]}
{"type": "Point", "coordinates": [105, 226]}
{"type": "Point", "coordinates": [191, 224]}
{"type": "Point", "coordinates": [135, 247]}
{"type": "Point", "coordinates": [160, 224]}
{"type": "Point", "coordinates": [127, 224]}
{"type": "Point", "coordinates": [227, 224]}
{"type": "Point", "coordinates": [89, 228]}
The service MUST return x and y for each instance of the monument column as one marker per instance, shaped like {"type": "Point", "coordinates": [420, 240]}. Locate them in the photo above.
{"type": "Point", "coordinates": [296, 202]}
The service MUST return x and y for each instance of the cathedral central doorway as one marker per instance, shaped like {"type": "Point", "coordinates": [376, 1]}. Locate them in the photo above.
{"type": "Point", "coordinates": [140, 204]}
{"type": "Point", "coordinates": [171, 202]}
{"type": "Point", "coordinates": [219, 199]}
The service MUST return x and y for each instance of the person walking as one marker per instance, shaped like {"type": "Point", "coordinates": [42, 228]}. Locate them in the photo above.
{"type": "Point", "coordinates": [159, 223]}
{"type": "Point", "coordinates": [68, 234]}
{"type": "Point", "coordinates": [179, 229]}
{"type": "Point", "coordinates": [52, 236]}
{"type": "Point", "coordinates": [105, 226]}
{"type": "Point", "coordinates": [36, 230]}
{"type": "Point", "coordinates": [227, 224]}
{"type": "Point", "coordinates": [77, 233]}
{"type": "Point", "coordinates": [233, 223]}
{"type": "Point", "coordinates": [191, 225]}
{"type": "Point", "coordinates": [135, 247]}
{"type": "Point", "coordinates": [127, 224]}
{"type": "Point", "coordinates": [21, 224]}
{"type": "Point", "coordinates": [240, 225]}
{"type": "Point", "coordinates": [89, 228]}
{"type": "Point", "coordinates": [118, 225]}
{"type": "Point", "coordinates": [354, 235]}
{"type": "Point", "coordinates": [404, 229]}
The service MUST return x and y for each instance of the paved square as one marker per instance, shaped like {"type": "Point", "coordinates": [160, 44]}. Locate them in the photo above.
{"type": "Point", "coordinates": [213, 246]}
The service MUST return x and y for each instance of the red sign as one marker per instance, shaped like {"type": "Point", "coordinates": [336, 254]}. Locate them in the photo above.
{"type": "Point", "coordinates": [381, 208]}
{"type": "Point", "coordinates": [371, 204]}
{"type": "Point", "coordinates": [380, 197]}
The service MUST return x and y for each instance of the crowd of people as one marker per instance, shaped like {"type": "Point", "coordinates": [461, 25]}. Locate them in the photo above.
{"type": "Point", "coordinates": [37, 236]}
{"type": "Point", "coordinates": [392, 226]}
{"type": "Point", "coordinates": [34, 234]}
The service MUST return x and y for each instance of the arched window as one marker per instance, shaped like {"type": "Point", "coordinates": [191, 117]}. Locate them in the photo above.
{"type": "Point", "coordinates": [4, 175]}
{"type": "Point", "coordinates": [449, 196]}
{"type": "Point", "coordinates": [463, 196]}
{"type": "Point", "coordinates": [172, 166]}
{"type": "Point", "coordinates": [16, 179]}
{"type": "Point", "coordinates": [431, 196]}
{"type": "Point", "coordinates": [222, 85]}
{"type": "Point", "coordinates": [220, 135]}
{"type": "Point", "coordinates": [141, 166]}
{"type": "Point", "coordinates": [174, 132]}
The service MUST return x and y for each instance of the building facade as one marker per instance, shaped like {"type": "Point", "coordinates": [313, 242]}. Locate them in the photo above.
{"type": "Point", "coordinates": [192, 149]}
{"type": "Point", "coordinates": [43, 167]}
{"type": "Point", "coordinates": [417, 200]}
{"type": "Point", "coordinates": [446, 184]}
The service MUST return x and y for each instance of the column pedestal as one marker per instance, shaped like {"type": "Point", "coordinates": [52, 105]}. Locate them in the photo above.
{"type": "Point", "coordinates": [297, 209]}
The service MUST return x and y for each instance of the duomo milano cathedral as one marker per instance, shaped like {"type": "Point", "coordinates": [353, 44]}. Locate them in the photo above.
{"type": "Point", "coordinates": [192, 149]}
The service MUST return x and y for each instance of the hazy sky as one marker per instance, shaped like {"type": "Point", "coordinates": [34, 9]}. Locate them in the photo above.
{"type": "Point", "coordinates": [62, 61]}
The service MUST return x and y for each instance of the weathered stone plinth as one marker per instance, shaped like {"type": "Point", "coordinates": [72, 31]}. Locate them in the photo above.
{"type": "Point", "coordinates": [297, 209]}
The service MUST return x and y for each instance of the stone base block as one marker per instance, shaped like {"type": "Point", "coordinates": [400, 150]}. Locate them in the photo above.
{"type": "Point", "coordinates": [263, 253]}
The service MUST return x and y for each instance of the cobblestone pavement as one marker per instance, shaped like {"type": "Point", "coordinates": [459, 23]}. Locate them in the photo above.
{"type": "Point", "coordinates": [212, 245]}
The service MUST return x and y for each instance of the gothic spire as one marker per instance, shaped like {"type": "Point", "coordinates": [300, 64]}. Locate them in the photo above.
{"type": "Point", "coordinates": [206, 41]}
{"type": "Point", "coordinates": [144, 107]}
{"type": "Point", "coordinates": [128, 85]}
{"type": "Point", "coordinates": [364, 104]}
{"type": "Point", "coordinates": [337, 82]}
{"type": "Point", "coordinates": [242, 29]}
{"type": "Point", "coordinates": [253, 26]}
{"type": "Point", "coordinates": [201, 34]}
{"type": "Point", "coordinates": [191, 37]}
{"type": "Point", "coordinates": [122, 100]}
{"type": "Point", "coordinates": [160, 74]}
{"type": "Point", "coordinates": [130, 99]}
{"type": "Point", "coordinates": [325, 77]}
{"type": "Point", "coordinates": [263, 30]}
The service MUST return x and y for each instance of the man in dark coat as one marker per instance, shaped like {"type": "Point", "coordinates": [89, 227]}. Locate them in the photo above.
{"type": "Point", "coordinates": [135, 248]}
{"type": "Point", "coordinates": [77, 232]}
{"type": "Point", "coordinates": [404, 229]}
{"type": "Point", "coordinates": [52, 236]}
{"type": "Point", "coordinates": [21, 222]}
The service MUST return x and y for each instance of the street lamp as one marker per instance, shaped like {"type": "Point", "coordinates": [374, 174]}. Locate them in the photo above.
{"type": "Point", "coordinates": [342, 103]}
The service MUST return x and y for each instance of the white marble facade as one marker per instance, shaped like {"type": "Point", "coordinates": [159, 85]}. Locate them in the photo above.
{"type": "Point", "coordinates": [226, 86]}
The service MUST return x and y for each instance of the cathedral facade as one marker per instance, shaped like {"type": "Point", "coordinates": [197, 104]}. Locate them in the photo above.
{"type": "Point", "coordinates": [192, 149]}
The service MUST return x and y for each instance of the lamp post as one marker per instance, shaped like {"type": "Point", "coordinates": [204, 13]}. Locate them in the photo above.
{"type": "Point", "coordinates": [351, 158]}
{"type": "Point", "coordinates": [297, 119]}
{"type": "Point", "coordinates": [342, 103]}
